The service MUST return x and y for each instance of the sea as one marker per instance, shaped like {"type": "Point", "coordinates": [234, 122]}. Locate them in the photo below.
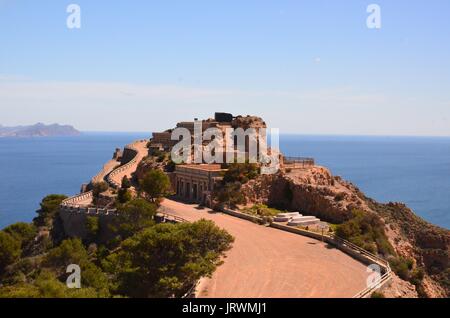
{"type": "Point", "coordinates": [413, 170]}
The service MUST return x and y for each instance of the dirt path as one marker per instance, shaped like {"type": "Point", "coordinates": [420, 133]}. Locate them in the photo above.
{"type": "Point", "coordinates": [266, 262]}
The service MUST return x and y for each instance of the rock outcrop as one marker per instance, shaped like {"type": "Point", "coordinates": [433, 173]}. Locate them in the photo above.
{"type": "Point", "coordinates": [398, 288]}
{"type": "Point", "coordinates": [248, 121]}
{"type": "Point", "coordinates": [427, 244]}
{"type": "Point", "coordinates": [313, 191]}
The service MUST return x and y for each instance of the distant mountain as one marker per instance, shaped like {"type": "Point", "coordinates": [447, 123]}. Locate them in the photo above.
{"type": "Point", "coordinates": [38, 130]}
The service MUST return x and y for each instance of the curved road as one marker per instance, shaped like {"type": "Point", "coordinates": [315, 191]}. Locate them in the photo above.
{"type": "Point", "coordinates": [142, 151]}
{"type": "Point", "coordinates": [270, 263]}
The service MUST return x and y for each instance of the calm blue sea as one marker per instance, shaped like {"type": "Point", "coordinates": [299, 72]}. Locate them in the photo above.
{"type": "Point", "coordinates": [414, 170]}
{"type": "Point", "coordinates": [31, 168]}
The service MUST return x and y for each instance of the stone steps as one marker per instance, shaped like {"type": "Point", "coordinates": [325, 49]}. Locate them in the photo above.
{"type": "Point", "coordinates": [296, 219]}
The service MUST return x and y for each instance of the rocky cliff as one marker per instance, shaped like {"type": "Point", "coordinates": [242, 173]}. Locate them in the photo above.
{"type": "Point", "coordinates": [315, 191]}
{"type": "Point", "coordinates": [248, 121]}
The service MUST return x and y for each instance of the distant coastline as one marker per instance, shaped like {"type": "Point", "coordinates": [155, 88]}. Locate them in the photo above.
{"type": "Point", "coordinates": [38, 130]}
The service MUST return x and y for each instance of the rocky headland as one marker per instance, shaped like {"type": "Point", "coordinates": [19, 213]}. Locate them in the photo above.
{"type": "Point", "coordinates": [417, 250]}
{"type": "Point", "coordinates": [38, 130]}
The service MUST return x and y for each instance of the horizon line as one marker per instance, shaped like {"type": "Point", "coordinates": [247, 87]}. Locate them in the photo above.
{"type": "Point", "coordinates": [288, 134]}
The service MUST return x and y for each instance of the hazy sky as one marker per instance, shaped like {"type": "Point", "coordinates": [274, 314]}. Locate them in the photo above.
{"type": "Point", "coordinates": [305, 66]}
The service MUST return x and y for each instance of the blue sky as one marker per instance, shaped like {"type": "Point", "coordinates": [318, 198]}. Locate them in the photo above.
{"type": "Point", "coordinates": [309, 67]}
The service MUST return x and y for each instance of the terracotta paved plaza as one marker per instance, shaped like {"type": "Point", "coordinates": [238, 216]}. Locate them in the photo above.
{"type": "Point", "coordinates": [266, 262]}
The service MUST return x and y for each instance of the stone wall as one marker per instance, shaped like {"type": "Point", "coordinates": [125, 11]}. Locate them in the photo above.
{"type": "Point", "coordinates": [128, 155]}
{"type": "Point", "coordinates": [74, 222]}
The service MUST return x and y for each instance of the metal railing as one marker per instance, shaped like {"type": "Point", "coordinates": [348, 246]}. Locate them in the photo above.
{"type": "Point", "coordinates": [298, 162]}
{"type": "Point", "coordinates": [369, 290]}
{"type": "Point", "coordinates": [298, 159]}
{"type": "Point", "coordinates": [171, 217]}
{"type": "Point", "coordinates": [191, 292]}
{"type": "Point", "coordinates": [387, 275]}
{"type": "Point", "coordinates": [340, 242]}
{"type": "Point", "coordinates": [359, 249]}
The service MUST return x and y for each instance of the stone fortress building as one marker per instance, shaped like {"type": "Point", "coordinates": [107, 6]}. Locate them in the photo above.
{"type": "Point", "coordinates": [191, 182]}
{"type": "Point", "coordinates": [195, 182]}
{"type": "Point", "coordinates": [163, 140]}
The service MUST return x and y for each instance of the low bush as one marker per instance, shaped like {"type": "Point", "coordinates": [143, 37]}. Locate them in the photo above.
{"type": "Point", "coordinates": [229, 194]}
{"type": "Point", "coordinates": [367, 231]}
{"type": "Point", "coordinates": [240, 172]}
{"type": "Point", "coordinates": [262, 210]}
{"type": "Point", "coordinates": [377, 295]}
{"type": "Point", "coordinates": [49, 209]}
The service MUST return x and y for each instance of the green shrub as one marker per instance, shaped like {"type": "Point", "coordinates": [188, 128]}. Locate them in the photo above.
{"type": "Point", "coordinates": [124, 195]}
{"type": "Point", "coordinates": [9, 250]}
{"type": "Point", "coordinates": [170, 166]}
{"type": "Point", "coordinates": [229, 194]}
{"type": "Point", "coordinates": [161, 158]}
{"type": "Point", "coordinates": [402, 267]}
{"type": "Point", "coordinates": [417, 276]}
{"type": "Point", "coordinates": [261, 210]}
{"type": "Point", "coordinates": [99, 188]}
{"type": "Point", "coordinates": [133, 217]}
{"type": "Point", "coordinates": [49, 209]}
{"type": "Point", "coordinates": [126, 184]}
{"type": "Point", "coordinates": [23, 232]}
{"type": "Point", "coordinates": [367, 231]}
{"type": "Point", "coordinates": [165, 260]}
{"type": "Point", "coordinates": [155, 184]}
{"type": "Point", "coordinates": [72, 251]}
{"type": "Point", "coordinates": [46, 285]}
{"type": "Point", "coordinates": [92, 227]}
{"type": "Point", "coordinates": [376, 294]}
{"type": "Point", "coordinates": [240, 172]}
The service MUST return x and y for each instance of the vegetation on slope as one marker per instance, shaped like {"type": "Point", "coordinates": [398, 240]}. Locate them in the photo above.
{"type": "Point", "coordinates": [228, 192]}
{"type": "Point", "coordinates": [429, 256]}
{"type": "Point", "coordinates": [367, 231]}
{"type": "Point", "coordinates": [144, 259]}
{"type": "Point", "coordinates": [165, 260]}
{"type": "Point", "coordinates": [240, 172]}
{"type": "Point", "coordinates": [49, 209]}
{"type": "Point", "coordinates": [155, 184]}
{"type": "Point", "coordinates": [262, 210]}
